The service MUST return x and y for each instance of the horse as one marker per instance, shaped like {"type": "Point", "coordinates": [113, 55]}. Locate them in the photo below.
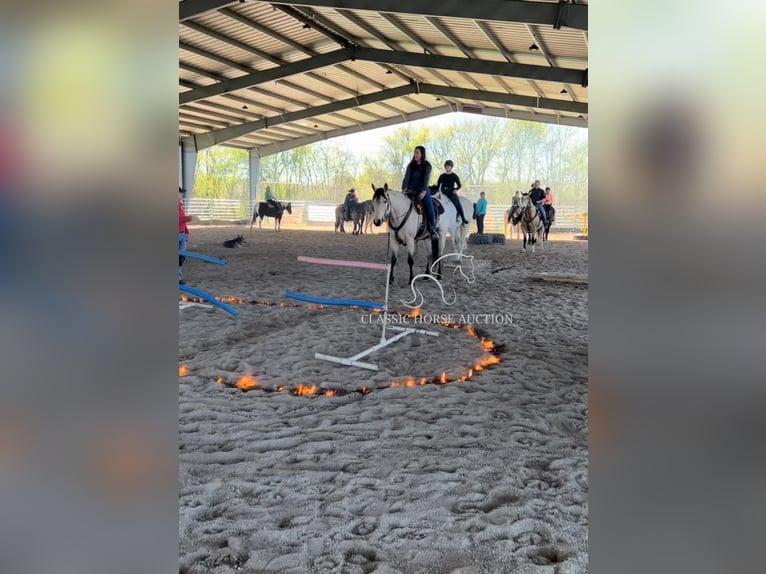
{"type": "Point", "coordinates": [358, 214]}
{"type": "Point", "coordinates": [550, 216]}
{"type": "Point", "coordinates": [508, 223]}
{"type": "Point", "coordinates": [397, 209]}
{"type": "Point", "coordinates": [531, 223]}
{"type": "Point", "coordinates": [448, 222]}
{"type": "Point", "coordinates": [369, 211]}
{"type": "Point", "coordinates": [264, 209]}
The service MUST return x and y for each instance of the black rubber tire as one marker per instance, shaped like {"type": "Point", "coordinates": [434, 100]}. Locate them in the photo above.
{"type": "Point", "coordinates": [498, 238]}
{"type": "Point", "coordinates": [479, 239]}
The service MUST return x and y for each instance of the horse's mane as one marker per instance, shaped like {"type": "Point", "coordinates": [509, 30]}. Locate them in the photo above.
{"type": "Point", "coordinates": [379, 192]}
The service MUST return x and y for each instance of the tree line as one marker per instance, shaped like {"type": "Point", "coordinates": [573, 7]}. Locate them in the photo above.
{"type": "Point", "coordinates": [489, 153]}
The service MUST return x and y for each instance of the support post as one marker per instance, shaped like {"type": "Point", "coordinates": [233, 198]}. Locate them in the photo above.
{"type": "Point", "coordinates": [255, 176]}
{"type": "Point", "coordinates": [188, 165]}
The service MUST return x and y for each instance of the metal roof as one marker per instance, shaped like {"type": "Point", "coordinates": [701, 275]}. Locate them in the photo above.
{"type": "Point", "coordinates": [271, 76]}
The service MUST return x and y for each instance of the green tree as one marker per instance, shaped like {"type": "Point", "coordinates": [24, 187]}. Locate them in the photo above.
{"type": "Point", "coordinates": [477, 144]}
{"type": "Point", "coordinates": [222, 173]}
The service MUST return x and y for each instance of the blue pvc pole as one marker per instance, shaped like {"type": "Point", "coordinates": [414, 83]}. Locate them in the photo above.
{"type": "Point", "coordinates": [323, 301]}
{"type": "Point", "coordinates": [209, 298]}
{"type": "Point", "coordinates": [192, 255]}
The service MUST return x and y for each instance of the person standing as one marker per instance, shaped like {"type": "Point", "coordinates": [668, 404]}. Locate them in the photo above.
{"type": "Point", "coordinates": [183, 233]}
{"type": "Point", "coordinates": [481, 211]}
{"type": "Point", "coordinates": [448, 183]}
{"type": "Point", "coordinates": [415, 182]}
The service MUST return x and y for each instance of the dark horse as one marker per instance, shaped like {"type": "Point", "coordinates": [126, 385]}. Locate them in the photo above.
{"type": "Point", "coordinates": [358, 214]}
{"type": "Point", "coordinates": [550, 214]}
{"type": "Point", "coordinates": [264, 209]}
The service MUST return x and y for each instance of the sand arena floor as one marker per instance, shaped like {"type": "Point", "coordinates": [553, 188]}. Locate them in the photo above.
{"type": "Point", "coordinates": [485, 475]}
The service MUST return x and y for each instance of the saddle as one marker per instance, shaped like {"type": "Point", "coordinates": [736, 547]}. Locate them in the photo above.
{"type": "Point", "coordinates": [438, 207]}
{"type": "Point", "coordinates": [423, 232]}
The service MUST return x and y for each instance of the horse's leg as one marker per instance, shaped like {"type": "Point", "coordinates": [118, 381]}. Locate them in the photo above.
{"type": "Point", "coordinates": [255, 216]}
{"type": "Point", "coordinates": [411, 256]}
{"type": "Point", "coordinates": [393, 264]}
{"type": "Point", "coordinates": [440, 251]}
{"type": "Point", "coordinates": [394, 248]}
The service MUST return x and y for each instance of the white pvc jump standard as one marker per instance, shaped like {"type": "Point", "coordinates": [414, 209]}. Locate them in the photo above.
{"type": "Point", "coordinates": [404, 331]}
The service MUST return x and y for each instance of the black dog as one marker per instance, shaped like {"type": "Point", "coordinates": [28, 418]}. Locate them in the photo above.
{"type": "Point", "coordinates": [238, 241]}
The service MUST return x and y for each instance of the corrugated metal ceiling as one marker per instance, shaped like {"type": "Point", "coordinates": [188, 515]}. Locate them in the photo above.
{"type": "Point", "coordinates": [285, 35]}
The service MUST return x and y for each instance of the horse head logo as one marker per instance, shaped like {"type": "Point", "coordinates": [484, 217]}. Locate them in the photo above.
{"type": "Point", "coordinates": [418, 298]}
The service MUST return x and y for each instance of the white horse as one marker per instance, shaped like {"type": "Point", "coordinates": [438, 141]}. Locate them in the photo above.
{"type": "Point", "coordinates": [448, 222]}
{"type": "Point", "coordinates": [403, 220]}
{"type": "Point", "coordinates": [531, 224]}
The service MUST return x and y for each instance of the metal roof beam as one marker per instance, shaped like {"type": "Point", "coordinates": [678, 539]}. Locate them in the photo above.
{"type": "Point", "coordinates": [508, 99]}
{"type": "Point", "coordinates": [548, 56]}
{"type": "Point", "coordinates": [270, 75]}
{"type": "Point", "coordinates": [542, 13]}
{"type": "Point", "coordinates": [276, 148]}
{"type": "Point", "coordinates": [260, 53]}
{"type": "Point", "coordinates": [320, 27]}
{"type": "Point", "coordinates": [492, 68]}
{"type": "Point", "coordinates": [215, 137]}
{"type": "Point", "coordinates": [535, 117]}
{"type": "Point", "coordinates": [191, 8]}
{"type": "Point", "coordinates": [351, 17]}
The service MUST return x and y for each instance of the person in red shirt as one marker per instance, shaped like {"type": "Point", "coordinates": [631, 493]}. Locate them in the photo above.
{"type": "Point", "coordinates": [183, 232]}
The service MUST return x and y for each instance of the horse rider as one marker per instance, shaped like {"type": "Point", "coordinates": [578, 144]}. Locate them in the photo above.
{"type": "Point", "coordinates": [415, 182]}
{"type": "Point", "coordinates": [351, 201]}
{"type": "Point", "coordinates": [548, 204]}
{"type": "Point", "coordinates": [448, 183]}
{"type": "Point", "coordinates": [537, 196]}
{"type": "Point", "coordinates": [270, 199]}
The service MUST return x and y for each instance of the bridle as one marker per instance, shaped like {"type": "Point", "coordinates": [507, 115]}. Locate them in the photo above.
{"type": "Point", "coordinates": [389, 215]}
{"type": "Point", "coordinates": [524, 212]}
